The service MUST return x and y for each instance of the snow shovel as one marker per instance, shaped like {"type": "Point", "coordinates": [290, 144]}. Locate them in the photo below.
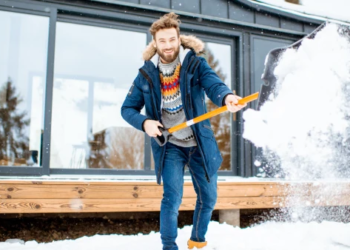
{"type": "Point", "coordinates": [163, 139]}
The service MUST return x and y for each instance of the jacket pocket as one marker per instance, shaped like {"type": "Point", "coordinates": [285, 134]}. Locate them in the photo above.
{"type": "Point", "coordinates": [207, 131]}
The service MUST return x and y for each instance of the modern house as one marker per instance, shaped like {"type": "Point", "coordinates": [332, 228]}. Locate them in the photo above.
{"type": "Point", "coordinates": [65, 69]}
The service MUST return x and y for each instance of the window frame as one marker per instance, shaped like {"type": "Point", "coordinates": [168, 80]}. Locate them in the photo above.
{"type": "Point", "coordinates": [36, 10]}
{"type": "Point", "coordinates": [74, 19]}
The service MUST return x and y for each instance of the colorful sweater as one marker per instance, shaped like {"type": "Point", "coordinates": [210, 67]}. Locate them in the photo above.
{"type": "Point", "coordinates": [172, 109]}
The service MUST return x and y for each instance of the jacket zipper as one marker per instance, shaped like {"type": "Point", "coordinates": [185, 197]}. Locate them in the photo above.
{"type": "Point", "coordinates": [188, 101]}
{"type": "Point", "coordinates": [149, 80]}
{"type": "Point", "coordinates": [194, 67]}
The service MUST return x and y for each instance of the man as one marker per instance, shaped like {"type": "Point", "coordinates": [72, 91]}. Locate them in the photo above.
{"type": "Point", "coordinates": [171, 86]}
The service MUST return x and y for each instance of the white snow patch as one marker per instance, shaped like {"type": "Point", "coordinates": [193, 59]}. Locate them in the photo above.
{"type": "Point", "coordinates": [306, 123]}
{"type": "Point", "coordinates": [269, 236]}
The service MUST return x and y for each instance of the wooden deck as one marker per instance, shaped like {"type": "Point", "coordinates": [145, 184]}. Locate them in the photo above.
{"type": "Point", "coordinates": [33, 196]}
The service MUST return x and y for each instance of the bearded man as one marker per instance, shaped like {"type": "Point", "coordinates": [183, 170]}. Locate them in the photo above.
{"type": "Point", "coordinates": [172, 85]}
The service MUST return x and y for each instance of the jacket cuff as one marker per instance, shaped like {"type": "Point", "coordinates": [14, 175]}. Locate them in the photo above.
{"type": "Point", "coordinates": [143, 123]}
{"type": "Point", "coordinates": [223, 100]}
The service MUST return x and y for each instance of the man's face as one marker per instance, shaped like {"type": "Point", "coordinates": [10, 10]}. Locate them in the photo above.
{"type": "Point", "coordinates": [168, 44]}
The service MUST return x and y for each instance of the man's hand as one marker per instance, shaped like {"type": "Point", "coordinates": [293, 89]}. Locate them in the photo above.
{"type": "Point", "coordinates": [151, 128]}
{"type": "Point", "coordinates": [231, 101]}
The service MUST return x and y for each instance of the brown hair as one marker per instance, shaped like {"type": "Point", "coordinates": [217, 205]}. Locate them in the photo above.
{"type": "Point", "coordinates": [167, 21]}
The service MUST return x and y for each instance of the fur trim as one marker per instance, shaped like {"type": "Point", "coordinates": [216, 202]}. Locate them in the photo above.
{"type": "Point", "coordinates": [190, 42]}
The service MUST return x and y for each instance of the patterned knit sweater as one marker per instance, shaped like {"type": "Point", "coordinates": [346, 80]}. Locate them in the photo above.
{"type": "Point", "coordinates": [172, 109]}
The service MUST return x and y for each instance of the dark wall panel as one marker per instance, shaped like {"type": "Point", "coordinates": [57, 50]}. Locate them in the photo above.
{"type": "Point", "coordinates": [156, 3]}
{"type": "Point", "coordinates": [240, 13]}
{"type": "Point", "coordinates": [291, 25]}
{"type": "Point", "coordinates": [267, 19]}
{"type": "Point", "coordinates": [261, 46]}
{"type": "Point", "coordinates": [309, 28]}
{"type": "Point", "coordinates": [192, 6]}
{"type": "Point", "coordinates": [217, 8]}
{"type": "Point", "coordinates": [131, 1]}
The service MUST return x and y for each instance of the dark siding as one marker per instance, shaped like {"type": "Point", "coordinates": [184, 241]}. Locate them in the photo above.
{"type": "Point", "coordinates": [134, 1]}
{"type": "Point", "coordinates": [192, 6]}
{"type": "Point", "coordinates": [247, 164]}
{"type": "Point", "coordinates": [291, 25]}
{"type": "Point", "coordinates": [267, 19]}
{"type": "Point", "coordinates": [240, 13]}
{"type": "Point", "coordinates": [157, 3]}
{"type": "Point", "coordinates": [309, 28]}
{"type": "Point", "coordinates": [239, 10]}
{"type": "Point", "coordinates": [214, 8]}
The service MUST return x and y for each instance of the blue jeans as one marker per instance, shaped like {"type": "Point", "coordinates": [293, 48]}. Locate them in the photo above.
{"type": "Point", "coordinates": [173, 172]}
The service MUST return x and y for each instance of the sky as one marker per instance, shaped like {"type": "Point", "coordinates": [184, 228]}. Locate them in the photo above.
{"type": "Point", "coordinates": [329, 9]}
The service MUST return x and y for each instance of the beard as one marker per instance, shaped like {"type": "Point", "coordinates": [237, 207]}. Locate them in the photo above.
{"type": "Point", "coordinates": [169, 58]}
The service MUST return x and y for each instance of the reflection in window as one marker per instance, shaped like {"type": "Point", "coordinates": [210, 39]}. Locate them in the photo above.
{"type": "Point", "coordinates": [94, 69]}
{"type": "Point", "coordinates": [218, 59]}
{"type": "Point", "coordinates": [23, 50]}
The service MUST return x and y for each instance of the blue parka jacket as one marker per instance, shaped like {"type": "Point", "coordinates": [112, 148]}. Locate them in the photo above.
{"type": "Point", "coordinates": [196, 80]}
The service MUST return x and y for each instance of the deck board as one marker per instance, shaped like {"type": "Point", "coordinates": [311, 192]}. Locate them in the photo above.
{"type": "Point", "coordinates": [35, 196]}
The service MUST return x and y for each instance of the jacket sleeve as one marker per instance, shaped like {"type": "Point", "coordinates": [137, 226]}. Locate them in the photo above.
{"type": "Point", "coordinates": [213, 86]}
{"type": "Point", "coordinates": [133, 105]}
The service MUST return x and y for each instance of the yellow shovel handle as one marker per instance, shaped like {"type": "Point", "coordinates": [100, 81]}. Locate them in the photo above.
{"type": "Point", "coordinates": [212, 113]}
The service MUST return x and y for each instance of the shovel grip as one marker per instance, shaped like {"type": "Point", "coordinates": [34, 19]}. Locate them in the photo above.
{"type": "Point", "coordinates": [162, 139]}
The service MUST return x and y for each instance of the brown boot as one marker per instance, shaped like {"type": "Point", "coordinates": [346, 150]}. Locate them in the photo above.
{"type": "Point", "coordinates": [191, 244]}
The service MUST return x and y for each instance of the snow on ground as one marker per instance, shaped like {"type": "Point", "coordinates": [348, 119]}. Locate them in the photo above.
{"type": "Point", "coordinates": [269, 236]}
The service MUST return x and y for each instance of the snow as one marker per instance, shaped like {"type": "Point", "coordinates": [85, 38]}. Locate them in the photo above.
{"type": "Point", "coordinates": [269, 236]}
{"type": "Point", "coordinates": [306, 123]}
{"type": "Point", "coordinates": [126, 178]}
{"type": "Point", "coordinates": [335, 10]}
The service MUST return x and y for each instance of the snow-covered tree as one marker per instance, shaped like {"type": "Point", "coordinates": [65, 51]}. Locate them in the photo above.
{"type": "Point", "coordinates": [13, 140]}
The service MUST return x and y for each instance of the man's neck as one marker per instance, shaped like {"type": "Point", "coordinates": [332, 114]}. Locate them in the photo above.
{"type": "Point", "coordinates": [168, 67]}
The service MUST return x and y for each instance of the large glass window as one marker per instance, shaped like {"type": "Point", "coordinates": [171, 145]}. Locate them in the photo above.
{"type": "Point", "coordinates": [23, 56]}
{"type": "Point", "coordinates": [94, 69]}
{"type": "Point", "coordinates": [219, 59]}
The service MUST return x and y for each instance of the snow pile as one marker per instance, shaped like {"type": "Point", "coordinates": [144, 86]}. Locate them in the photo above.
{"type": "Point", "coordinates": [269, 236]}
{"type": "Point", "coordinates": [304, 128]}
{"type": "Point", "coordinates": [306, 123]}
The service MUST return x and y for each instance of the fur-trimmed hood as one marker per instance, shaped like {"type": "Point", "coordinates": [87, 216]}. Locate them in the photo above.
{"type": "Point", "coordinates": [187, 42]}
